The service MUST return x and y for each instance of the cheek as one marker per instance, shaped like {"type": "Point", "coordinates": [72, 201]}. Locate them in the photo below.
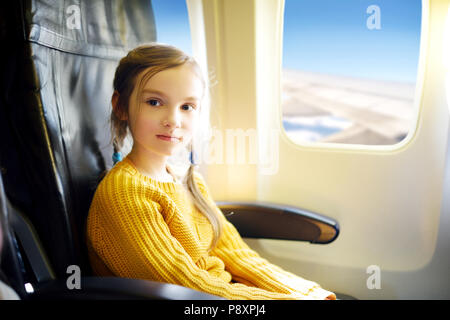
{"type": "Point", "coordinates": [191, 122]}
{"type": "Point", "coordinates": [145, 127]}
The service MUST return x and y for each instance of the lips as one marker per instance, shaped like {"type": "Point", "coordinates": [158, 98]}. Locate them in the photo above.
{"type": "Point", "coordinates": [168, 138]}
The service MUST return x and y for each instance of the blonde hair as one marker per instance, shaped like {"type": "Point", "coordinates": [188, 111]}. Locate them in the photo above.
{"type": "Point", "coordinates": [154, 58]}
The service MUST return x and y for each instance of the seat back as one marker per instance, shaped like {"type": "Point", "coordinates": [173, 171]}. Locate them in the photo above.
{"type": "Point", "coordinates": [56, 88]}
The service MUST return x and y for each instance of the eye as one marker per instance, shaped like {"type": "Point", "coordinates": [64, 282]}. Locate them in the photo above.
{"type": "Point", "coordinates": [154, 102]}
{"type": "Point", "coordinates": [187, 107]}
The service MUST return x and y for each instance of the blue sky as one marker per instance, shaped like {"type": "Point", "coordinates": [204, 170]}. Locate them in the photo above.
{"type": "Point", "coordinates": [329, 36]}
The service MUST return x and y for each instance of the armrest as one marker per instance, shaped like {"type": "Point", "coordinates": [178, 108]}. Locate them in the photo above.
{"type": "Point", "coordinates": [112, 288]}
{"type": "Point", "coordinates": [274, 221]}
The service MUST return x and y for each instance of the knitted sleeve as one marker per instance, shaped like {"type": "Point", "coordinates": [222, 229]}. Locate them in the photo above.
{"type": "Point", "coordinates": [246, 266]}
{"type": "Point", "coordinates": [133, 239]}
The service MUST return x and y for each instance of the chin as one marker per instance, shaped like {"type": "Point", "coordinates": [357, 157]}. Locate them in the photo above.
{"type": "Point", "coordinates": [170, 152]}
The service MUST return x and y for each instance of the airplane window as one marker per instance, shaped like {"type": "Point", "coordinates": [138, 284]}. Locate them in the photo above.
{"type": "Point", "coordinates": [172, 23]}
{"type": "Point", "coordinates": [349, 70]}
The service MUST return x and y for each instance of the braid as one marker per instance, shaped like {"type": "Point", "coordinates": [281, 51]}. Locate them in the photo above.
{"type": "Point", "coordinates": [201, 203]}
{"type": "Point", "coordinates": [117, 155]}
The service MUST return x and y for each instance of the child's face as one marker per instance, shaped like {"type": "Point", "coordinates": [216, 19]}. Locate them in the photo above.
{"type": "Point", "coordinates": [164, 117]}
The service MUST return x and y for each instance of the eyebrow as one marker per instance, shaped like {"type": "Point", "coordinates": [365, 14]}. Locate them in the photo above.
{"type": "Point", "coordinates": [163, 95]}
{"type": "Point", "coordinates": [154, 91]}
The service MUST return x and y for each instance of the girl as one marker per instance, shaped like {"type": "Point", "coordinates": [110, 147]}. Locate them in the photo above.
{"type": "Point", "coordinates": [147, 222]}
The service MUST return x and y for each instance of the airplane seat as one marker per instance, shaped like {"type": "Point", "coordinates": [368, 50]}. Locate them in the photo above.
{"type": "Point", "coordinates": [56, 86]}
{"type": "Point", "coordinates": [7, 254]}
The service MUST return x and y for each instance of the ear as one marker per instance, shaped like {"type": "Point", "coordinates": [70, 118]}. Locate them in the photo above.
{"type": "Point", "coordinates": [115, 105]}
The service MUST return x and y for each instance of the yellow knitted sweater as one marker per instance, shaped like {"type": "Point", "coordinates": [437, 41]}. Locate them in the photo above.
{"type": "Point", "coordinates": [142, 228]}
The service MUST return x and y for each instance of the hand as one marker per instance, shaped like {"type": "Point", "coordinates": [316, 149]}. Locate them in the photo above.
{"type": "Point", "coordinates": [331, 297]}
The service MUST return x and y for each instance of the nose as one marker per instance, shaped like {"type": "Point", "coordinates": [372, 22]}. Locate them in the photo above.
{"type": "Point", "coordinates": [172, 118]}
